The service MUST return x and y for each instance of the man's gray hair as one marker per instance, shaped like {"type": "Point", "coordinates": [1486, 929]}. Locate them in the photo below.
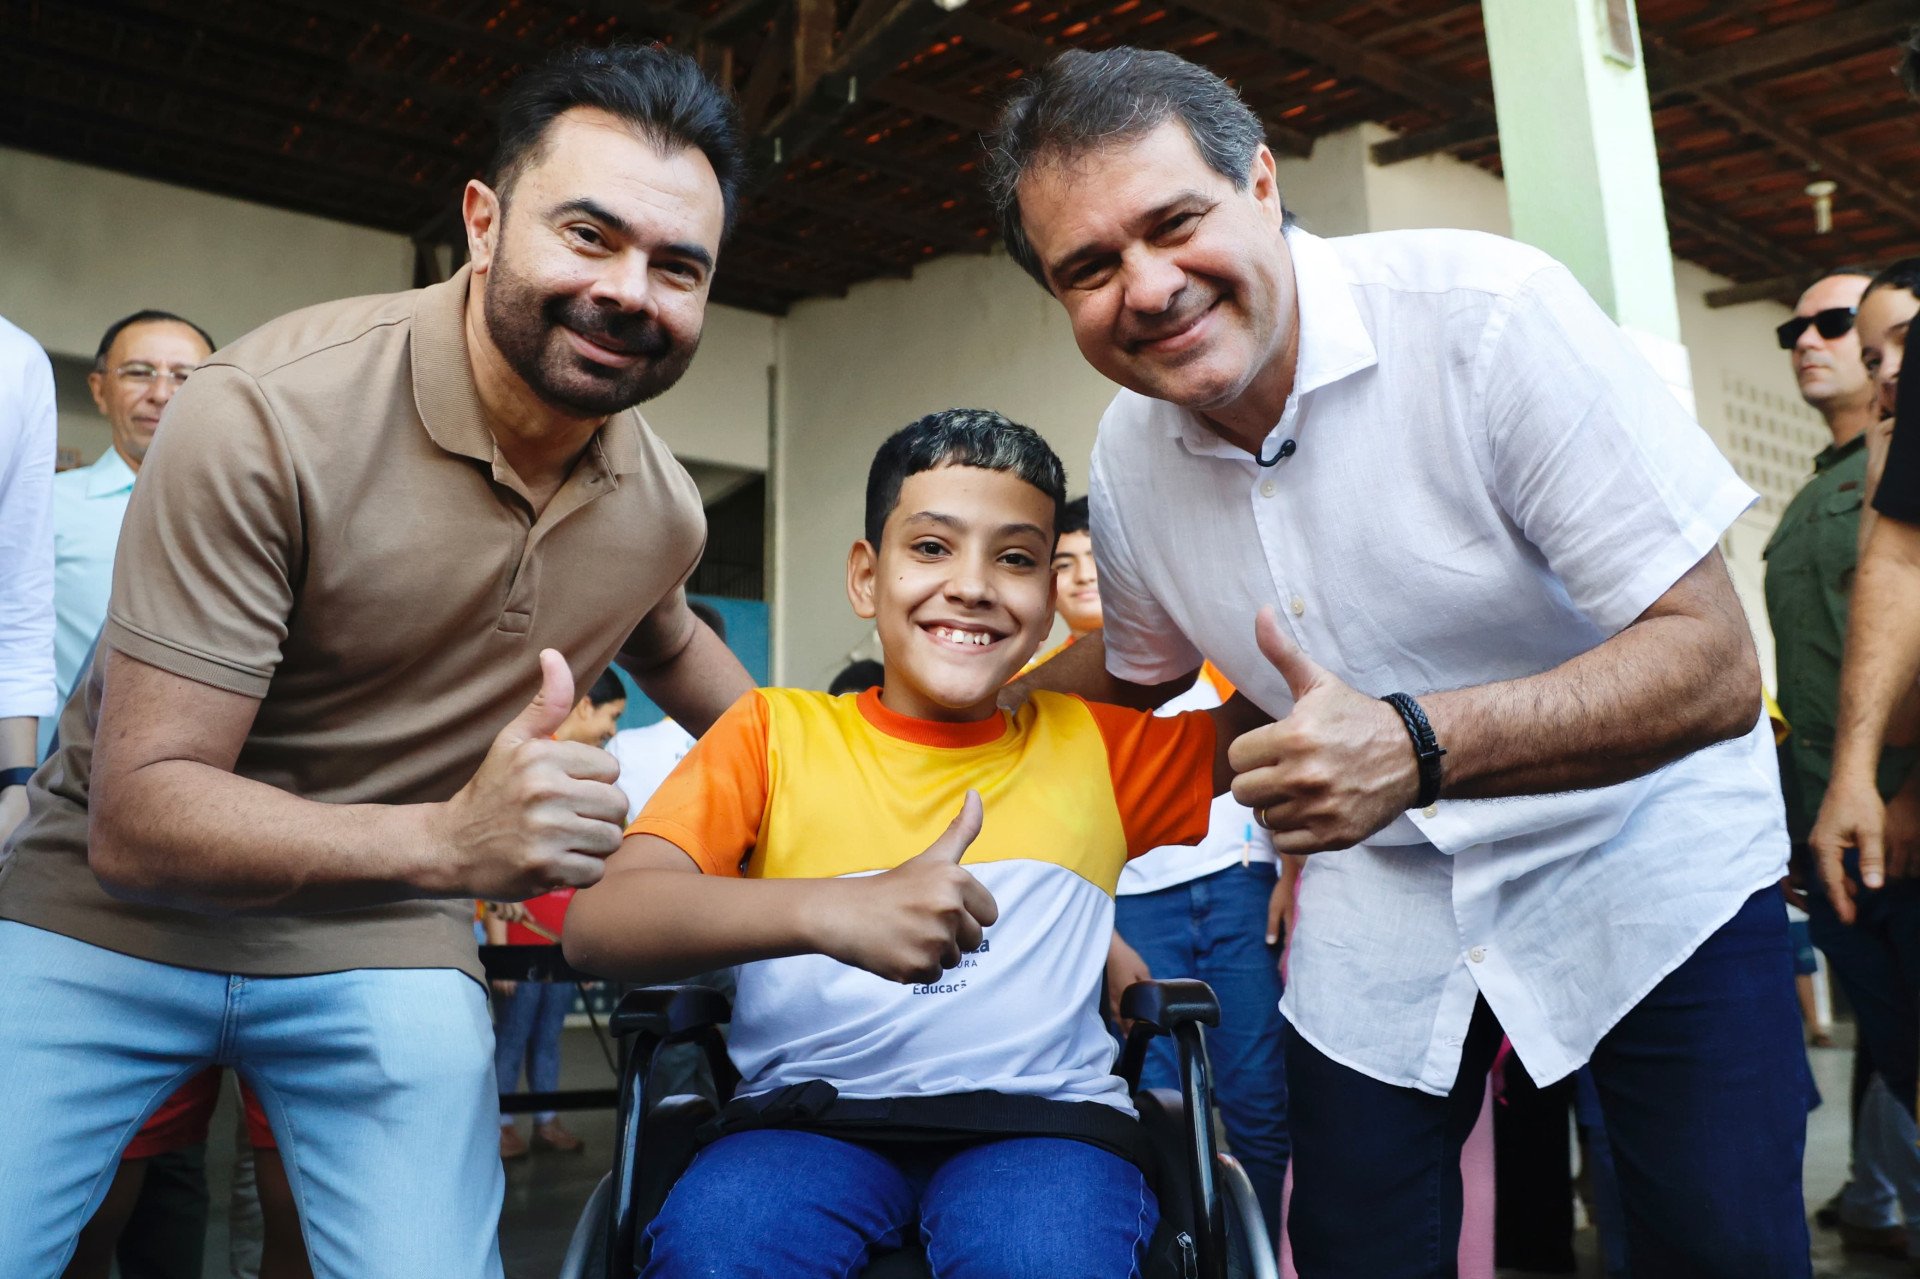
{"type": "Point", "coordinates": [1084, 100]}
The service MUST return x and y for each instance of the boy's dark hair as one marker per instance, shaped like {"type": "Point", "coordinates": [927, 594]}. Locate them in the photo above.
{"type": "Point", "coordinates": [663, 94]}
{"type": "Point", "coordinates": [858, 677]}
{"type": "Point", "coordinates": [711, 616]}
{"type": "Point", "coordinates": [120, 326]}
{"type": "Point", "coordinates": [960, 437]}
{"type": "Point", "coordinates": [1904, 274]}
{"type": "Point", "coordinates": [1073, 518]}
{"type": "Point", "coordinates": [607, 688]}
{"type": "Point", "coordinates": [1085, 99]}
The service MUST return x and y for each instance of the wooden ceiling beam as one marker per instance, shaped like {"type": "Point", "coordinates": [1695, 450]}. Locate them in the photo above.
{"type": "Point", "coordinates": [920, 231]}
{"type": "Point", "coordinates": [1331, 48]}
{"type": "Point", "coordinates": [731, 16]}
{"type": "Point", "coordinates": [1690, 215]}
{"type": "Point", "coordinates": [863, 59]}
{"type": "Point", "coordinates": [1032, 52]}
{"type": "Point", "coordinates": [1670, 74]}
{"type": "Point", "coordinates": [99, 63]}
{"type": "Point", "coordinates": [962, 113]}
{"type": "Point", "coordinates": [1763, 54]}
{"type": "Point", "coordinates": [813, 23]}
{"type": "Point", "coordinates": [219, 40]}
{"type": "Point", "coordinates": [1902, 201]}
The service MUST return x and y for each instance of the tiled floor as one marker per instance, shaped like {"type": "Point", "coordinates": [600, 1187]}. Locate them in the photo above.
{"type": "Point", "coordinates": [545, 1191]}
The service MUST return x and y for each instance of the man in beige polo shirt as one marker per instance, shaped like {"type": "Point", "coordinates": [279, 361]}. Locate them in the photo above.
{"type": "Point", "coordinates": [369, 534]}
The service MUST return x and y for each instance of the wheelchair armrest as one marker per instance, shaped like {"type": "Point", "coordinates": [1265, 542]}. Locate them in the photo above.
{"type": "Point", "coordinates": [669, 1013]}
{"type": "Point", "coordinates": [1162, 1005]}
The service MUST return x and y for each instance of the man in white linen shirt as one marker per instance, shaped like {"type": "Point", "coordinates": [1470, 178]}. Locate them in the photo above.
{"type": "Point", "coordinates": [1430, 462]}
{"type": "Point", "coordinates": [27, 442]}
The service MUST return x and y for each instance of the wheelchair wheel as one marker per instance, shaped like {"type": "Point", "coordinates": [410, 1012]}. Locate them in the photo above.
{"type": "Point", "coordinates": [587, 1250]}
{"type": "Point", "coordinates": [1250, 1253]}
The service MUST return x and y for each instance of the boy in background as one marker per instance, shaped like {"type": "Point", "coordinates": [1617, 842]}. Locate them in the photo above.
{"type": "Point", "coordinates": [532, 1014]}
{"type": "Point", "coordinates": [953, 985]}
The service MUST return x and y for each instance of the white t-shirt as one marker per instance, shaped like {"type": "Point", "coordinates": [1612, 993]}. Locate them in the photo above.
{"type": "Point", "coordinates": [1489, 480]}
{"type": "Point", "coordinates": [27, 444]}
{"type": "Point", "coordinates": [646, 756]}
{"type": "Point", "coordinates": [1232, 834]}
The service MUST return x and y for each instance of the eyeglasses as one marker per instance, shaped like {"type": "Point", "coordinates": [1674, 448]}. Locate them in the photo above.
{"type": "Point", "coordinates": [1833, 322]}
{"type": "Point", "coordinates": [138, 373]}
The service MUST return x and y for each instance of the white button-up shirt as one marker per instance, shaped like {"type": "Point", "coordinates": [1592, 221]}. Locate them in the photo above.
{"type": "Point", "coordinates": [1488, 481]}
{"type": "Point", "coordinates": [27, 442]}
{"type": "Point", "coordinates": [89, 505]}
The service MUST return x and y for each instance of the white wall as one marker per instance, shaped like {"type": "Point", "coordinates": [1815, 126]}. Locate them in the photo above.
{"type": "Point", "coordinates": [80, 247]}
{"type": "Point", "coordinates": [967, 332]}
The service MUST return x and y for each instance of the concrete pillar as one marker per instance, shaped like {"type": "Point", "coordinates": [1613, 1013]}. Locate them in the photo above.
{"type": "Point", "coordinates": [1583, 180]}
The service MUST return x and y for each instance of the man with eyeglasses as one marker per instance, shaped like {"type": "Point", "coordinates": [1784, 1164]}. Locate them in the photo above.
{"type": "Point", "coordinates": [1810, 570]}
{"type": "Point", "coordinates": [142, 360]}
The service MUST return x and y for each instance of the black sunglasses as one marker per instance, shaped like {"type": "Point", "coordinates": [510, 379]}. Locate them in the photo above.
{"type": "Point", "coordinates": [1832, 323]}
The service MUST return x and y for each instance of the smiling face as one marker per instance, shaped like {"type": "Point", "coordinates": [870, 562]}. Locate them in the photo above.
{"type": "Point", "coordinates": [142, 369]}
{"type": "Point", "coordinates": [1076, 583]}
{"type": "Point", "coordinates": [959, 587]}
{"type": "Point", "coordinates": [1178, 285]}
{"type": "Point", "coordinates": [1829, 371]}
{"type": "Point", "coordinates": [597, 270]}
{"type": "Point", "coordinates": [1885, 316]}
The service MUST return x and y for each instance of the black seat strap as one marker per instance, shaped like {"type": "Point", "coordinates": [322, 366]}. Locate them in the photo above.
{"type": "Point", "coordinates": [816, 1106]}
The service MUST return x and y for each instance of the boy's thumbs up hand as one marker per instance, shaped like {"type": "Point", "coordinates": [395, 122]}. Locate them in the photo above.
{"type": "Point", "coordinates": [538, 814]}
{"type": "Point", "coordinates": [912, 923]}
{"type": "Point", "coordinates": [1335, 770]}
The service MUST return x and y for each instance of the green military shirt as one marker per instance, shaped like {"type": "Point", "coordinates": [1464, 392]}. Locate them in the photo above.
{"type": "Point", "coordinates": [1810, 565]}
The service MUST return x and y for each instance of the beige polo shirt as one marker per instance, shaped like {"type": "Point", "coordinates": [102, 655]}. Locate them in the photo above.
{"type": "Point", "coordinates": [326, 525]}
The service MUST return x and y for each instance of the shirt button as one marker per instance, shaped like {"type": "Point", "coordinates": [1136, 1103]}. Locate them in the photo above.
{"type": "Point", "coordinates": [1267, 489]}
{"type": "Point", "coordinates": [1431, 810]}
{"type": "Point", "coordinates": [1477, 954]}
{"type": "Point", "coordinates": [1297, 606]}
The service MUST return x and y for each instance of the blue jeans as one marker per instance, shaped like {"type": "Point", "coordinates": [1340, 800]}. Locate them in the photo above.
{"type": "Point", "coordinates": [528, 1032]}
{"type": "Point", "coordinates": [795, 1205]}
{"type": "Point", "coordinates": [1214, 928]}
{"type": "Point", "coordinates": [376, 1082]}
{"type": "Point", "coordinates": [1703, 1087]}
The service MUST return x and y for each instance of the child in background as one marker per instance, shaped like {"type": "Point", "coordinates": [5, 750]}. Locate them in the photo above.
{"type": "Point", "coordinates": [531, 1015]}
{"type": "Point", "coordinates": [948, 975]}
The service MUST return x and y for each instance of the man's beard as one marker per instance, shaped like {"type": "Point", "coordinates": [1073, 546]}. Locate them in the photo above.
{"type": "Point", "coordinates": [525, 327]}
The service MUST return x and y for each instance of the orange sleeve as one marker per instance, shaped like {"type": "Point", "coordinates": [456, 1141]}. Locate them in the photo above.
{"type": "Point", "coordinates": [710, 805]}
{"type": "Point", "coordinates": [1162, 769]}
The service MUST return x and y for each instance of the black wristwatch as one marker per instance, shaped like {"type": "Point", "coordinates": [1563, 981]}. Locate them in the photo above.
{"type": "Point", "coordinates": [1426, 750]}
{"type": "Point", "coordinates": [15, 776]}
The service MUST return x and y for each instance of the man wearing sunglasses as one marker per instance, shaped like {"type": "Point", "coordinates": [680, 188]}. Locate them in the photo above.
{"type": "Point", "coordinates": [142, 360]}
{"type": "Point", "coordinates": [1810, 572]}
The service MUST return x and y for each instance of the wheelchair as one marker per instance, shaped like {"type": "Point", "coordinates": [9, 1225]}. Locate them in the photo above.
{"type": "Point", "coordinates": [1211, 1226]}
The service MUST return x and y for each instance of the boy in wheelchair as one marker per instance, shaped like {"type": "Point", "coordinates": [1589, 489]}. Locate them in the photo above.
{"type": "Point", "coordinates": [918, 1032]}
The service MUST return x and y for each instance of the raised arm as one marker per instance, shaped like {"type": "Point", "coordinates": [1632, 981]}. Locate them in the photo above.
{"type": "Point", "coordinates": [656, 917]}
{"type": "Point", "coordinates": [170, 822]}
{"type": "Point", "coordinates": [1341, 765]}
{"type": "Point", "coordinates": [1082, 671]}
{"type": "Point", "coordinates": [686, 669]}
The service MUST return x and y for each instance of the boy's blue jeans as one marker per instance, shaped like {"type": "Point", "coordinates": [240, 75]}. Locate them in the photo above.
{"type": "Point", "coordinates": [793, 1205]}
{"type": "Point", "coordinates": [528, 1032]}
{"type": "Point", "coordinates": [1214, 929]}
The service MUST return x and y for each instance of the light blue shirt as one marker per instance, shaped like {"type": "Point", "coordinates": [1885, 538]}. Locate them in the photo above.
{"type": "Point", "coordinates": [89, 503]}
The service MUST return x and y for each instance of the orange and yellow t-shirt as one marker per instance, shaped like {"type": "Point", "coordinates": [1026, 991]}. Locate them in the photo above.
{"type": "Point", "coordinates": [791, 784]}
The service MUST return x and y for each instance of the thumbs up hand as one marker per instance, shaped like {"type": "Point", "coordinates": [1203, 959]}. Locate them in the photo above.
{"type": "Point", "coordinates": [1335, 770]}
{"type": "Point", "coordinates": [539, 814]}
{"type": "Point", "coordinates": [912, 923]}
